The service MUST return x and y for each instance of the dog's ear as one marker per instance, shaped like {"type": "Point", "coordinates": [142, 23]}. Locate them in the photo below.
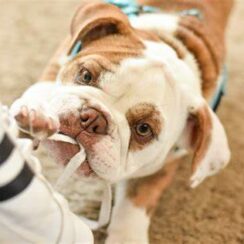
{"type": "Point", "coordinates": [95, 20]}
{"type": "Point", "coordinates": [205, 135]}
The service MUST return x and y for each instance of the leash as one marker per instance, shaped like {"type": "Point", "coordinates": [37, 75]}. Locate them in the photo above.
{"type": "Point", "coordinates": [221, 90]}
{"type": "Point", "coordinates": [131, 8]}
{"type": "Point", "coordinates": [72, 166]}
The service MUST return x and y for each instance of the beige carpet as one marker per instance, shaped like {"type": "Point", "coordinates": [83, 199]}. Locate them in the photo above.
{"type": "Point", "coordinates": [211, 214]}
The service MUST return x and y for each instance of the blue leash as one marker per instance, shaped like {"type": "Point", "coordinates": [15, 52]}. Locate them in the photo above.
{"type": "Point", "coordinates": [133, 9]}
{"type": "Point", "coordinates": [221, 91]}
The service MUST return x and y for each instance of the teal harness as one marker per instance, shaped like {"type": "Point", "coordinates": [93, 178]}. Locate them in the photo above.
{"type": "Point", "coordinates": [133, 9]}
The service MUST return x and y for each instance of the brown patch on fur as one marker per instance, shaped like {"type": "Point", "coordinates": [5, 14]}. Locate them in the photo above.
{"type": "Point", "coordinates": [145, 192]}
{"type": "Point", "coordinates": [102, 55]}
{"type": "Point", "coordinates": [193, 24]}
{"type": "Point", "coordinates": [148, 35]}
{"type": "Point", "coordinates": [95, 64]}
{"type": "Point", "coordinates": [115, 47]}
{"type": "Point", "coordinates": [166, 38]}
{"type": "Point", "coordinates": [175, 44]}
{"type": "Point", "coordinates": [201, 135]}
{"type": "Point", "coordinates": [146, 113]}
{"type": "Point", "coordinates": [206, 64]}
{"type": "Point", "coordinates": [97, 20]}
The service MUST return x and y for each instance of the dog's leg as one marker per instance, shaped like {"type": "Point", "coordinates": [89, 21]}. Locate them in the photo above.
{"type": "Point", "coordinates": [135, 202]}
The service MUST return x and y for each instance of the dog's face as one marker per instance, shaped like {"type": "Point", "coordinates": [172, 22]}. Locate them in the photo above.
{"type": "Point", "coordinates": [129, 101]}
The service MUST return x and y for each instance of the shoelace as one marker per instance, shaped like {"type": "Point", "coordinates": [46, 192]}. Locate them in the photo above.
{"type": "Point", "coordinates": [72, 166]}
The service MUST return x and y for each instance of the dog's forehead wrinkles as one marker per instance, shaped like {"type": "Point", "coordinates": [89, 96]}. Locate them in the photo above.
{"type": "Point", "coordinates": [95, 63]}
{"type": "Point", "coordinates": [108, 52]}
{"type": "Point", "coordinates": [130, 79]}
{"type": "Point", "coordinates": [115, 48]}
{"type": "Point", "coordinates": [95, 59]}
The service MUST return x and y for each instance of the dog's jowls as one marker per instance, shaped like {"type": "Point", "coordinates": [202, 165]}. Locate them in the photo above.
{"type": "Point", "coordinates": [136, 97]}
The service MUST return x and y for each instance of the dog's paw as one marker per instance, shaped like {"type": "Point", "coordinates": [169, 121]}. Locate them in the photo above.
{"type": "Point", "coordinates": [34, 120]}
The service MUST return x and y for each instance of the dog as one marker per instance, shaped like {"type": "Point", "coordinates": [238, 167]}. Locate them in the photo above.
{"type": "Point", "coordinates": [134, 85]}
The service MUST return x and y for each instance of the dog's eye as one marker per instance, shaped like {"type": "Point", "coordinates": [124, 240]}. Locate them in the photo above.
{"type": "Point", "coordinates": [84, 77]}
{"type": "Point", "coordinates": [143, 130]}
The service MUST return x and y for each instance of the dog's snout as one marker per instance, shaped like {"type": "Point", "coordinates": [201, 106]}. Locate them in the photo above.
{"type": "Point", "coordinates": [93, 121]}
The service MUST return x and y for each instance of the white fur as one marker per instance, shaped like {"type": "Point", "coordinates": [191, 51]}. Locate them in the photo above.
{"type": "Point", "coordinates": [129, 223]}
{"type": "Point", "coordinates": [178, 79]}
{"type": "Point", "coordinates": [157, 22]}
{"type": "Point", "coordinates": [164, 23]}
{"type": "Point", "coordinates": [217, 156]}
{"type": "Point", "coordinates": [11, 167]}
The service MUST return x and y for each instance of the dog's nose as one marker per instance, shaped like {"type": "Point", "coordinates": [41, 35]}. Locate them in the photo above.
{"type": "Point", "coordinates": [93, 121]}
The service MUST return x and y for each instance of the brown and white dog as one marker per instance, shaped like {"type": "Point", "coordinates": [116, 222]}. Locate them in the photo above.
{"type": "Point", "coordinates": [136, 97]}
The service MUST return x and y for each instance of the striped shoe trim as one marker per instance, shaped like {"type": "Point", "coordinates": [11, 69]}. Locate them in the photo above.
{"type": "Point", "coordinates": [11, 167]}
{"type": "Point", "coordinates": [18, 185]}
{"type": "Point", "coordinates": [6, 148]}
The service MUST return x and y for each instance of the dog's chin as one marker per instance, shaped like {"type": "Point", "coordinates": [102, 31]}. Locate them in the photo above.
{"type": "Point", "coordinates": [63, 152]}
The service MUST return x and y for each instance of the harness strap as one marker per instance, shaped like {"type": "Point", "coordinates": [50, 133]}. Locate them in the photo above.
{"type": "Point", "coordinates": [6, 148]}
{"type": "Point", "coordinates": [131, 8]}
{"type": "Point", "coordinates": [221, 90]}
{"type": "Point", "coordinates": [18, 185]}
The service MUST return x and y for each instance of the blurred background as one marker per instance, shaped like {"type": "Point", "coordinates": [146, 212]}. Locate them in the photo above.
{"type": "Point", "coordinates": [30, 31]}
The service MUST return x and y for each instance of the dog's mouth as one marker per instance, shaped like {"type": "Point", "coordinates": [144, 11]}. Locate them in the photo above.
{"type": "Point", "coordinates": [63, 148]}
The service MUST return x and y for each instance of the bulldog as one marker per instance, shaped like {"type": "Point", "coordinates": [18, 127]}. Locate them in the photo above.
{"type": "Point", "coordinates": [132, 84]}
